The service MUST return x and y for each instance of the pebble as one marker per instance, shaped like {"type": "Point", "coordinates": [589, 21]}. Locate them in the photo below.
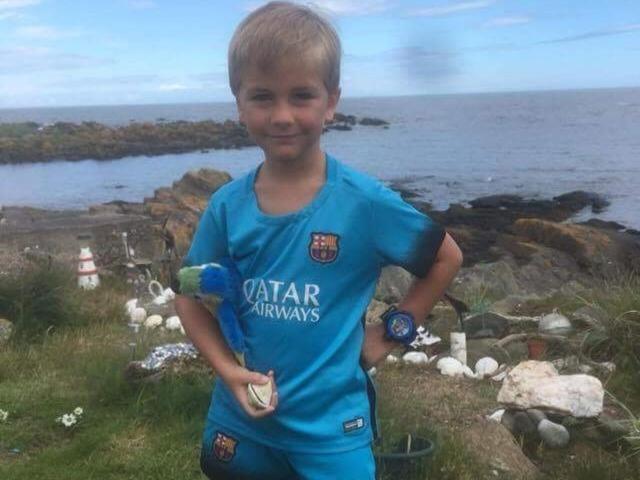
{"type": "Point", "coordinates": [553, 434]}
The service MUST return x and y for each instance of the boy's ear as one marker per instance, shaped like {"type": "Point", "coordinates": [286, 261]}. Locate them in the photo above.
{"type": "Point", "coordinates": [240, 110]}
{"type": "Point", "coordinates": [332, 103]}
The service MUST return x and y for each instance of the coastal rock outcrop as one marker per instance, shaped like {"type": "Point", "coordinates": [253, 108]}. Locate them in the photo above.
{"type": "Point", "coordinates": [534, 384]}
{"type": "Point", "coordinates": [178, 208]}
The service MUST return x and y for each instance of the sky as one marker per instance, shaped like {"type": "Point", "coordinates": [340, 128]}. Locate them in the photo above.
{"type": "Point", "coordinates": [99, 52]}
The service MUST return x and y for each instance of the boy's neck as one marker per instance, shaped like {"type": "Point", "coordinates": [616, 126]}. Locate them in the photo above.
{"type": "Point", "coordinates": [304, 169]}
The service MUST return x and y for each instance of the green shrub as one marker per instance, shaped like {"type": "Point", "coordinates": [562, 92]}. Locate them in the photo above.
{"type": "Point", "coordinates": [38, 299]}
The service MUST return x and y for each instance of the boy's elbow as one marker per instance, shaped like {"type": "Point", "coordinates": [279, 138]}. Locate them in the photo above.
{"type": "Point", "coordinates": [450, 252]}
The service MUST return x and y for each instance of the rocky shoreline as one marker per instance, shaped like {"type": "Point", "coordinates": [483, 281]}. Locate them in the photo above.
{"type": "Point", "coordinates": [30, 142]}
{"type": "Point", "coordinates": [512, 246]}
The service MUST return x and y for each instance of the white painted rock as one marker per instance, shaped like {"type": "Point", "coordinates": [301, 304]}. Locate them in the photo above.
{"type": "Point", "coordinates": [500, 376]}
{"type": "Point", "coordinates": [496, 416]}
{"type": "Point", "coordinates": [169, 294]}
{"type": "Point", "coordinates": [173, 323]}
{"type": "Point", "coordinates": [131, 305]}
{"type": "Point", "coordinates": [467, 372]}
{"type": "Point", "coordinates": [391, 359]}
{"type": "Point", "coordinates": [535, 384]}
{"type": "Point", "coordinates": [417, 358]}
{"type": "Point", "coordinates": [153, 321]}
{"type": "Point", "coordinates": [424, 338]}
{"type": "Point", "coordinates": [555, 324]}
{"type": "Point", "coordinates": [160, 300]}
{"type": "Point", "coordinates": [450, 367]}
{"type": "Point", "coordinates": [138, 315]}
{"type": "Point", "coordinates": [486, 366]}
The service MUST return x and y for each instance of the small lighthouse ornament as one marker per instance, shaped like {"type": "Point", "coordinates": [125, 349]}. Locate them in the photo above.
{"type": "Point", "coordinates": [87, 273]}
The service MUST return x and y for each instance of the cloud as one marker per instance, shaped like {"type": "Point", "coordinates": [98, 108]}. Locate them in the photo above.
{"type": "Point", "coordinates": [339, 7]}
{"type": "Point", "coordinates": [507, 21]}
{"type": "Point", "coordinates": [174, 87]}
{"type": "Point", "coordinates": [108, 82]}
{"type": "Point", "coordinates": [15, 4]}
{"type": "Point", "coordinates": [19, 60]}
{"type": "Point", "coordinates": [595, 34]}
{"type": "Point", "coordinates": [44, 32]}
{"type": "Point", "coordinates": [451, 8]}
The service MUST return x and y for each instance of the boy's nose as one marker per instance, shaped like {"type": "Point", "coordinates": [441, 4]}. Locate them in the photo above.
{"type": "Point", "coordinates": [281, 114]}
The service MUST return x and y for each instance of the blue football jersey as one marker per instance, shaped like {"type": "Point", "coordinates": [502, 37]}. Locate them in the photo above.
{"type": "Point", "coordinates": [308, 277]}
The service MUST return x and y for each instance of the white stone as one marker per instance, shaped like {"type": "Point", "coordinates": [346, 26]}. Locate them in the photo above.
{"type": "Point", "coordinates": [130, 305]}
{"type": "Point", "coordinates": [500, 376]}
{"type": "Point", "coordinates": [496, 416]}
{"type": "Point", "coordinates": [391, 359]}
{"type": "Point", "coordinates": [486, 366]}
{"type": "Point", "coordinates": [159, 300]}
{"type": "Point", "coordinates": [173, 323]}
{"type": "Point", "coordinates": [535, 384]}
{"type": "Point", "coordinates": [153, 321]}
{"type": "Point", "coordinates": [424, 338]}
{"type": "Point", "coordinates": [467, 372]}
{"type": "Point", "coordinates": [372, 371]}
{"type": "Point", "coordinates": [416, 358]}
{"type": "Point", "coordinates": [450, 367]}
{"type": "Point", "coordinates": [138, 315]}
{"type": "Point", "coordinates": [554, 324]}
{"type": "Point", "coordinates": [169, 294]}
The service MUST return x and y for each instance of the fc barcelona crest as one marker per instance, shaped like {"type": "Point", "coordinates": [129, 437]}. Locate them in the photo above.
{"type": "Point", "coordinates": [324, 247]}
{"type": "Point", "coordinates": [224, 447]}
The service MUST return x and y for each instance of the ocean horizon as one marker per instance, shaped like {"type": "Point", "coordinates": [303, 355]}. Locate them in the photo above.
{"type": "Point", "coordinates": [449, 148]}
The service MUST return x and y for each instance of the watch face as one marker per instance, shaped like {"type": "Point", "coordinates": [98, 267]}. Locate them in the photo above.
{"type": "Point", "coordinates": [400, 326]}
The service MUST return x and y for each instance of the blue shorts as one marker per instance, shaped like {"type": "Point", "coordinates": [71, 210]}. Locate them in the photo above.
{"type": "Point", "coordinates": [229, 456]}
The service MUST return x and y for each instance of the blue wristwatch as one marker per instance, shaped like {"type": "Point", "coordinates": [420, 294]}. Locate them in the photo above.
{"type": "Point", "coordinates": [399, 325]}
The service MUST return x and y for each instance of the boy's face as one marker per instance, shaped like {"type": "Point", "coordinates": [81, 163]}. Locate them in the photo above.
{"type": "Point", "coordinates": [285, 108]}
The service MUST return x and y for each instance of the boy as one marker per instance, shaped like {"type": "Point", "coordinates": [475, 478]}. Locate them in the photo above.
{"type": "Point", "coordinates": [309, 236]}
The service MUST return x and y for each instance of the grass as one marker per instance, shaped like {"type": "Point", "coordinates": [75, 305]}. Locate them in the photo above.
{"type": "Point", "coordinates": [150, 431]}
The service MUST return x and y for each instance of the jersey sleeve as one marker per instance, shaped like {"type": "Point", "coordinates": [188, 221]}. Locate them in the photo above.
{"type": "Point", "coordinates": [209, 243]}
{"type": "Point", "coordinates": [403, 235]}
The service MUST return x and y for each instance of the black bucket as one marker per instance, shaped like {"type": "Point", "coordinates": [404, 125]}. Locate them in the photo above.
{"type": "Point", "coordinates": [410, 457]}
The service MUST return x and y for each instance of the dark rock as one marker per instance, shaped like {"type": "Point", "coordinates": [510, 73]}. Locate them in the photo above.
{"type": "Point", "coordinates": [339, 127]}
{"type": "Point", "coordinates": [579, 199]}
{"type": "Point", "coordinates": [536, 415]}
{"type": "Point", "coordinates": [518, 423]}
{"type": "Point", "coordinates": [372, 122]}
{"type": "Point", "coordinates": [605, 225]}
{"type": "Point", "coordinates": [342, 118]}
{"type": "Point", "coordinates": [497, 201]}
{"type": "Point", "coordinates": [553, 434]}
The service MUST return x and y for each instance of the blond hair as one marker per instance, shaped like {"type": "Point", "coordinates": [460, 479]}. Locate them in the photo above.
{"type": "Point", "coordinates": [280, 30]}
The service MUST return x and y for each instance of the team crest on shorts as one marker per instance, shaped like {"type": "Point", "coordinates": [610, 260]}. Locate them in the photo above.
{"type": "Point", "coordinates": [324, 247]}
{"type": "Point", "coordinates": [224, 447]}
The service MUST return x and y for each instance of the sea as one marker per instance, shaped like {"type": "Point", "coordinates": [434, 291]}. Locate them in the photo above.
{"type": "Point", "coordinates": [447, 148]}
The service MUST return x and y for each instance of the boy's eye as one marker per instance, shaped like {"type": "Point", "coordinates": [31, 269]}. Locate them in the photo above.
{"type": "Point", "coordinates": [304, 95]}
{"type": "Point", "coordinates": [261, 97]}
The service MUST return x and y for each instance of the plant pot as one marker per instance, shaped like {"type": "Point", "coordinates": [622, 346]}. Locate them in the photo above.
{"type": "Point", "coordinates": [537, 348]}
{"type": "Point", "coordinates": [409, 457]}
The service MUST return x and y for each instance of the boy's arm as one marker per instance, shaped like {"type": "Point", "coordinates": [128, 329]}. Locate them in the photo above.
{"type": "Point", "coordinates": [203, 330]}
{"type": "Point", "coordinates": [423, 294]}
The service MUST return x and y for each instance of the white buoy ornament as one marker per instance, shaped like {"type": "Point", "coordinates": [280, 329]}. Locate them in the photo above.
{"type": "Point", "coordinates": [87, 272]}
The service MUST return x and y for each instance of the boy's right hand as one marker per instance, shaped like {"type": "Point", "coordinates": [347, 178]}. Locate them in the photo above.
{"type": "Point", "coordinates": [237, 382]}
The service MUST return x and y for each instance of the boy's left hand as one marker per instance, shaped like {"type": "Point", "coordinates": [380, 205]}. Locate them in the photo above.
{"type": "Point", "coordinates": [376, 346]}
